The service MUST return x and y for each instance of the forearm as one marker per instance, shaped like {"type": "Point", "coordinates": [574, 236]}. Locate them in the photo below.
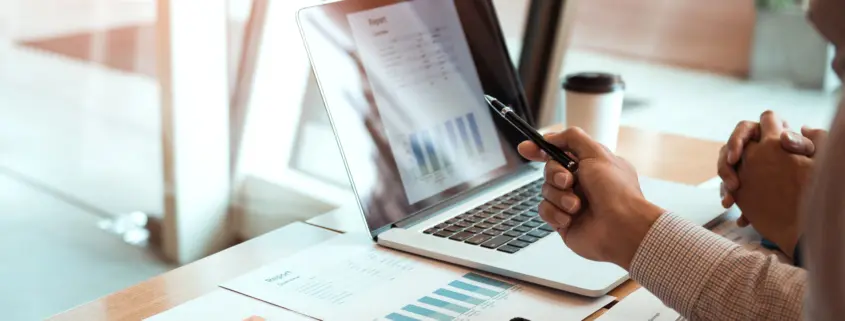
{"type": "Point", "coordinates": [706, 277]}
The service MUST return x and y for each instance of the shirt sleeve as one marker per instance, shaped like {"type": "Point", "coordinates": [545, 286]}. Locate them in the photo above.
{"type": "Point", "coordinates": [704, 276]}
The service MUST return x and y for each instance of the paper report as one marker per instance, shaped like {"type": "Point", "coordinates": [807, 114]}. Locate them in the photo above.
{"type": "Point", "coordinates": [351, 278]}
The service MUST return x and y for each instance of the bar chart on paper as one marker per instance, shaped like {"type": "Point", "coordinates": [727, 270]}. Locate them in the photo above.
{"type": "Point", "coordinates": [454, 300]}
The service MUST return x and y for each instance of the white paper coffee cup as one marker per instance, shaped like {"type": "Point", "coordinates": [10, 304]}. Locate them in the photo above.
{"type": "Point", "coordinates": [594, 103]}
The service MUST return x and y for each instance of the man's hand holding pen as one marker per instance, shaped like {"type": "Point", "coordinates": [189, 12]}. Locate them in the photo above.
{"type": "Point", "coordinates": [618, 216]}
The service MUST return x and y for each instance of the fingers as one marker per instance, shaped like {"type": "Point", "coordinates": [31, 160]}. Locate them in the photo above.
{"type": "Point", "coordinates": [797, 144]}
{"type": "Point", "coordinates": [817, 136]}
{"type": "Point", "coordinates": [726, 171]}
{"type": "Point", "coordinates": [744, 132]}
{"type": "Point", "coordinates": [531, 151]}
{"type": "Point", "coordinates": [565, 201]}
{"type": "Point", "coordinates": [577, 141]}
{"type": "Point", "coordinates": [554, 216]}
{"type": "Point", "coordinates": [770, 125]}
{"type": "Point", "coordinates": [742, 221]}
{"type": "Point", "coordinates": [727, 197]}
{"type": "Point", "coordinates": [558, 176]}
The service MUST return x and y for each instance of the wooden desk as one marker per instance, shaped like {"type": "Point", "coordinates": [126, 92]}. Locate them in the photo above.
{"type": "Point", "coordinates": [663, 156]}
{"type": "Point", "coordinates": [191, 281]}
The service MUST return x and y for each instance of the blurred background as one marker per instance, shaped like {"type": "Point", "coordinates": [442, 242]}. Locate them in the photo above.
{"type": "Point", "coordinates": [82, 198]}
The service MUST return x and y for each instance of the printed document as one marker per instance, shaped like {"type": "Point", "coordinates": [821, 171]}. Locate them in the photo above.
{"type": "Point", "coordinates": [351, 278]}
{"type": "Point", "coordinates": [225, 305]}
{"type": "Point", "coordinates": [640, 306]}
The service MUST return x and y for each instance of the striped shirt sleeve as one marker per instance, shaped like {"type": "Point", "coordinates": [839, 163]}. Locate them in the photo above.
{"type": "Point", "coordinates": [704, 276]}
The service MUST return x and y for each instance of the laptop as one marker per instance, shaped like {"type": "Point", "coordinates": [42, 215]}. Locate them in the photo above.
{"type": "Point", "coordinates": [434, 171]}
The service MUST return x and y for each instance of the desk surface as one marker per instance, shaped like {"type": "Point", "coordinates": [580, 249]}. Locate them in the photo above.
{"type": "Point", "coordinates": [668, 157]}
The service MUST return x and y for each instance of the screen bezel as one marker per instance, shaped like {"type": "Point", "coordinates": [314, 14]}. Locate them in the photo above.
{"type": "Point", "coordinates": [485, 13]}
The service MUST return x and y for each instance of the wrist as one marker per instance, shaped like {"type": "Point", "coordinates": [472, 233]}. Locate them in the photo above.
{"type": "Point", "coordinates": [642, 218]}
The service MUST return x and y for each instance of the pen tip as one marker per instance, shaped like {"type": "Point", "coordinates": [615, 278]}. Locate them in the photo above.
{"type": "Point", "coordinates": [489, 98]}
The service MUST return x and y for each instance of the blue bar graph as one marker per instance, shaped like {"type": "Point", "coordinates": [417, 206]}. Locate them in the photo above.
{"type": "Point", "coordinates": [443, 304]}
{"type": "Point", "coordinates": [476, 134]}
{"type": "Point", "coordinates": [462, 129]}
{"type": "Point", "coordinates": [399, 317]}
{"type": "Point", "coordinates": [459, 296]}
{"type": "Point", "coordinates": [449, 302]}
{"type": "Point", "coordinates": [473, 288]}
{"type": "Point", "coordinates": [447, 150]}
{"type": "Point", "coordinates": [483, 279]}
{"type": "Point", "coordinates": [427, 313]}
{"type": "Point", "coordinates": [417, 149]}
{"type": "Point", "coordinates": [450, 130]}
{"type": "Point", "coordinates": [431, 151]}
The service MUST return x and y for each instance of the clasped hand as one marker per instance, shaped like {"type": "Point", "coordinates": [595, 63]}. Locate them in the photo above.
{"type": "Point", "coordinates": [765, 169]}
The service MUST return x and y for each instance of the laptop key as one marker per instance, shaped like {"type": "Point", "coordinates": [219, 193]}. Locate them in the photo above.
{"type": "Point", "coordinates": [482, 215]}
{"type": "Point", "coordinates": [493, 232]}
{"type": "Point", "coordinates": [483, 226]}
{"type": "Point", "coordinates": [510, 223]}
{"type": "Point", "coordinates": [538, 234]}
{"type": "Point", "coordinates": [452, 221]}
{"type": "Point", "coordinates": [509, 249]}
{"type": "Point", "coordinates": [546, 227]}
{"type": "Point", "coordinates": [531, 213]}
{"type": "Point", "coordinates": [521, 207]}
{"type": "Point", "coordinates": [508, 202]}
{"type": "Point", "coordinates": [522, 229]}
{"type": "Point", "coordinates": [497, 242]}
{"type": "Point", "coordinates": [512, 212]}
{"type": "Point", "coordinates": [520, 218]}
{"type": "Point", "coordinates": [474, 230]}
{"type": "Point", "coordinates": [538, 220]}
{"type": "Point", "coordinates": [464, 224]}
{"type": "Point", "coordinates": [478, 239]}
{"type": "Point", "coordinates": [531, 224]}
{"type": "Point", "coordinates": [431, 230]}
{"type": "Point", "coordinates": [441, 225]}
{"type": "Point", "coordinates": [513, 233]}
{"type": "Point", "coordinates": [501, 228]}
{"type": "Point", "coordinates": [528, 239]}
{"type": "Point", "coordinates": [462, 236]}
{"type": "Point", "coordinates": [500, 206]}
{"type": "Point", "coordinates": [454, 228]}
{"type": "Point", "coordinates": [501, 216]}
{"type": "Point", "coordinates": [443, 233]}
{"type": "Point", "coordinates": [472, 220]}
{"type": "Point", "coordinates": [493, 221]}
{"type": "Point", "coordinates": [519, 244]}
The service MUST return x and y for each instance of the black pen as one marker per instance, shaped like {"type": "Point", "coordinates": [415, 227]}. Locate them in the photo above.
{"type": "Point", "coordinates": [523, 127]}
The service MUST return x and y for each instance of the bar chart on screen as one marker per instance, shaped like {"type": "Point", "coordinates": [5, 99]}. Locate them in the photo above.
{"type": "Point", "coordinates": [435, 150]}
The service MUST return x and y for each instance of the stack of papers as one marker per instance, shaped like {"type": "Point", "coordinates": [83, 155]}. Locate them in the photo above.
{"type": "Point", "coordinates": [351, 278]}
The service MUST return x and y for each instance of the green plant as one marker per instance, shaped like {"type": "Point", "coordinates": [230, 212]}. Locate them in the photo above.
{"type": "Point", "coordinates": [777, 5]}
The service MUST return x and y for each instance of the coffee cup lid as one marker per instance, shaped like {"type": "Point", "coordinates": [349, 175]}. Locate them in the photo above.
{"type": "Point", "coordinates": [593, 82]}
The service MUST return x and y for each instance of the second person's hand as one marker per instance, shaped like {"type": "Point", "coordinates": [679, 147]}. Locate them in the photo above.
{"type": "Point", "coordinates": [611, 222]}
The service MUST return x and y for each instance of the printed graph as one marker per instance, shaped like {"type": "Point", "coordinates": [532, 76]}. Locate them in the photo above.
{"type": "Point", "coordinates": [453, 300]}
{"type": "Point", "coordinates": [435, 149]}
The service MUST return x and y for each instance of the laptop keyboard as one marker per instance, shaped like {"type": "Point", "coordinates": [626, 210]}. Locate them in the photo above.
{"type": "Point", "coordinates": [508, 223]}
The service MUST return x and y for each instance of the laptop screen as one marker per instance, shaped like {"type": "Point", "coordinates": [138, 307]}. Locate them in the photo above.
{"type": "Point", "coordinates": [404, 83]}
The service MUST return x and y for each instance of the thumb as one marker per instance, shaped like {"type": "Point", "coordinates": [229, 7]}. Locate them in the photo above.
{"type": "Point", "coordinates": [797, 144]}
{"type": "Point", "coordinates": [578, 142]}
{"type": "Point", "coordinates": [818, 136]}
